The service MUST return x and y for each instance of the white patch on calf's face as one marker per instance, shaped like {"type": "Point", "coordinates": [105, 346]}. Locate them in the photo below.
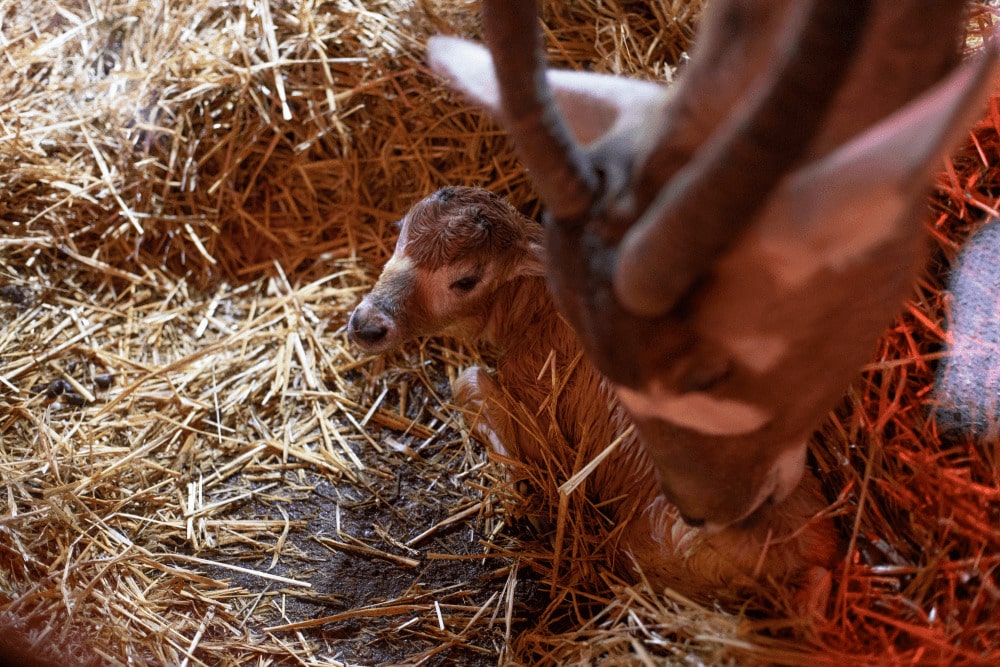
{"type": "Point", "coordinates": [696, 410]}
{"type": "Point", "coordinates": [398, 263]}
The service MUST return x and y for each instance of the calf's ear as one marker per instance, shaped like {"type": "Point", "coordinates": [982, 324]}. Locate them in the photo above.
{"type": "Point", "coordinates": [534, 262]}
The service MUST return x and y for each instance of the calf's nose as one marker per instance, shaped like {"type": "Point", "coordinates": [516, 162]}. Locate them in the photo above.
{"type": "Point", "coordinates": [369, 333]}
{"type": "Point", "coordinates": [366, 329]}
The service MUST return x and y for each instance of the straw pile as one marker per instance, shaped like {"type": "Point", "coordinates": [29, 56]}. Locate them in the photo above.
{"type": "Point", "coordinates": [196, 467]}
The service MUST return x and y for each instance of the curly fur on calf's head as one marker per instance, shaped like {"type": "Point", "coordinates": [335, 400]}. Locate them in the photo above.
{"type": "Point", "coordinates": [437, 230]}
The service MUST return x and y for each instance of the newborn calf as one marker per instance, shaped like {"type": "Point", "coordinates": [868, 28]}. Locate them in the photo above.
{"type": "Point", "coordinates": [468, 265]}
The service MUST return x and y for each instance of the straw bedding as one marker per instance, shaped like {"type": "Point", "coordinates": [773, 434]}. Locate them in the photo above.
{"type": "Point", "coordinates": [197, 469]}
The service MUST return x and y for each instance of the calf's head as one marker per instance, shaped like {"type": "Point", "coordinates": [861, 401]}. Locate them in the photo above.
{"type": "Point", "coordinates": [455, 249]}
{"type": "Point", "coordinates": [729, 250]}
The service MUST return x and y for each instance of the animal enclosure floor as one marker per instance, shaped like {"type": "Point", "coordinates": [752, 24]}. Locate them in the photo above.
{"type": "Point", "coordinates": [370, 523]}
{"type": "Point", "coordinates": [194, 194]}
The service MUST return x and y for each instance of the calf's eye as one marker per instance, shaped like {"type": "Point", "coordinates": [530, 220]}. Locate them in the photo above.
{"type": "Point", "coordinates": [466, 284]}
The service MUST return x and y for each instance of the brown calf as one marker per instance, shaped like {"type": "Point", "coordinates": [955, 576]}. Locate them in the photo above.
{"type": "Point", "coordinates": [468, 265]}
